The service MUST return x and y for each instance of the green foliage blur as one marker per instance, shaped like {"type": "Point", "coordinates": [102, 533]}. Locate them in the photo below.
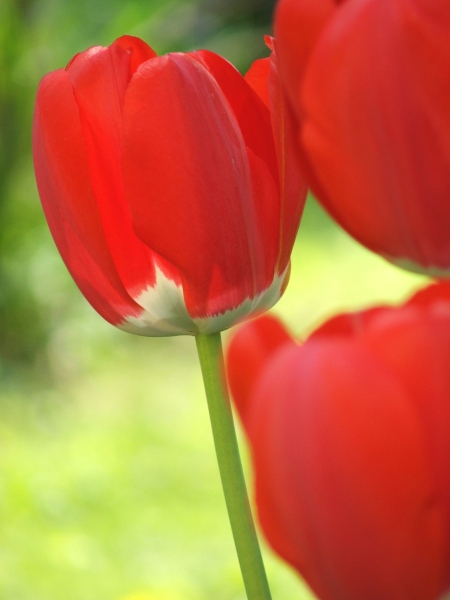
{"type": "Point", "coordinates": [109, 488]}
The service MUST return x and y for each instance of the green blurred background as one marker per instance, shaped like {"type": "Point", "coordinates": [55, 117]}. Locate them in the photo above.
{"type": "Point", "coordinates": [109, 488]}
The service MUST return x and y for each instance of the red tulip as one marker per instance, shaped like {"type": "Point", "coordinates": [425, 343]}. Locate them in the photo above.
{"type": "Point", "coordinates": [350, 438]}
{"type": "Point", "coordinates": [370, 83]}
{"type": "Point", "coordinates": [166, 185]}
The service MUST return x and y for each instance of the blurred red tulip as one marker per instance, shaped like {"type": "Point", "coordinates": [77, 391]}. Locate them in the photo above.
{"type": "Point", "coordinates": [370, 83]}
{"type": "Point", "coordinates": [350, 439]}
{"type": "Point", "coordinates": [168, 185]}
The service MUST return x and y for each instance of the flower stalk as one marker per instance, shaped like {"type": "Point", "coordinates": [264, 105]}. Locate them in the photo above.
{"type": "Point", "coordinates": [210, 354]}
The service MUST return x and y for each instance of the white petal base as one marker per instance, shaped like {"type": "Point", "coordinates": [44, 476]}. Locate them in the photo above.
{"type": "Point", "coordinates": [165, 312]}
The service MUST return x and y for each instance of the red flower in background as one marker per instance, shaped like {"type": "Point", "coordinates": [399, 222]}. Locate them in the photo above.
{"type": "Point", "coordinates": [350, 438]}
{"type": "Point", "coordinates": [169, 185]}
{"type": "Point", "coordinates": [370, 82]}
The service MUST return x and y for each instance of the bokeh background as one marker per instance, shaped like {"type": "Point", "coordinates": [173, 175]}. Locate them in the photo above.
{"type": "Point", "coordinates": [109, 488]}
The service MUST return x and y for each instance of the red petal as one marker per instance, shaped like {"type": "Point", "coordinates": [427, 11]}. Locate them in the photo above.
{"type": "Point", "coordinates": [251, 114]}
{"type": "Point", "coordinates": [293, 187]}
{"type": "Point", "coordinates": [417, 349]}
{"type": "Point", "coordinates": [263, 77]}
{"type": "Point", "coordinates": [250, 347]}
{"type": "Point", "coordinates": [100, 77]}
{"type": "Point", "coordinates": [377, 137]}
{"type": "Point", "coordinates": [256, 125]}
{"type": "Point", "coordinates": [298, 25]}
{"type": "Point", "coordinates": [64, 185]}
{"type": "Point", "coordinates": [258, 78]}
{"type": "Point", "coordinates": [349, 324]}
{"type": "Point", "coordinates": [188, 183]}
{"type": "Point", "coordinates": [343, 485]}
{"type": "Point", "coordinates": [436, 293]}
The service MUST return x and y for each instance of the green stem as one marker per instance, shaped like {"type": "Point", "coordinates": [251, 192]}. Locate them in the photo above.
{"type": "Point", "coordinates": [209, 349]}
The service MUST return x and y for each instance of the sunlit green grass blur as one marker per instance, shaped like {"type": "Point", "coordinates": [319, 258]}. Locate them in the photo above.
{"type": "Point", "coordinates": [109, 488]}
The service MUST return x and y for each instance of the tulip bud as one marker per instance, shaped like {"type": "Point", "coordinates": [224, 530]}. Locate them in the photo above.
{"type": "Point", "coordinates": [165, 184]}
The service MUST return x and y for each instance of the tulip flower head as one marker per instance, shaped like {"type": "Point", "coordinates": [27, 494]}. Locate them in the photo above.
{"type": "Point", "coordinates": [168, 186]}
{"type": "Point", "coordinates": [370, 81]}
{"type": "Point", "coordinates": [350, 439]}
